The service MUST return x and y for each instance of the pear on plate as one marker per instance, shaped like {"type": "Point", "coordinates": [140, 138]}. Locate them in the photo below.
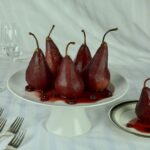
{"type": "Point", "coordinates": [143, 105]}
{"type": "Point", "coordinates": [97, 75]}
{"type": "Point", "coordinates": [83, 56]}
{"type": "Point", "coordinates": [52, 54]}
{"type": "Point", "coordinates": [38, 75]}
{"type": "Point", "coordinates": [68, 82]}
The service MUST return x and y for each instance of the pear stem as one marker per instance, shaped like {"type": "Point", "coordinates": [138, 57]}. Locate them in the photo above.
{"type": "Point", "coordinates": [35, 39]}
{"type": "Point", "coordinates": [146, 81]}
{"type": "Point", "coordinates": [114, 29]}
{"type": "Point", "coordinates": [68, 46]}
{"type": "Point", "coordinates": [84, 36]}
{"type": "Point", "coordinates": [51, 30]}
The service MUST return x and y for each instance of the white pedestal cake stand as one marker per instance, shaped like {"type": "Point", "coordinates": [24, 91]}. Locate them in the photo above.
{"type": "Point", "coordinates": [66, 120]}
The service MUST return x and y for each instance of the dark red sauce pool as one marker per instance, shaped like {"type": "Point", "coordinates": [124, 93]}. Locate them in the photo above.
{"type": "Point", "coordinates": [86, 97]}
{"type": "Point", "coordinates": [138, 125]}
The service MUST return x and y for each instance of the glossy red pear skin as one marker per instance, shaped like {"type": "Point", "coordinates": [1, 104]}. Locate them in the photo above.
{"type": "Point", "coordinates": [53, 56]}
{"type": "Point", "coordinates": [97, 75]}
{"type": "Point", "coordinates": [143, 106]}
{"type": "Point", "coordinates": [83, 58]}
{"type": "Point", "coordinates": [38, 75]}
{"type": "Point", "coordinates": [68, 83]}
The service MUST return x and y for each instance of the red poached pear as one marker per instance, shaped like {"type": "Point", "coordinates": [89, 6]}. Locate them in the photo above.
{"type": "Point", "coordinates": [68, 82]}
{"type": "Point", "coordinates": [143, 106]}
{"type": "Point", "coordinates": [52, 54]}
{"type": "Point", "coordinates": [97, 75]}
{"type": "Point", "coordinates": [38, 75]}
{"type": "Point", "coordinates": [83, 56]}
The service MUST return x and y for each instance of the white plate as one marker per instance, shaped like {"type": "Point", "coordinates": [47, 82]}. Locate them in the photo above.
{"type": "Point", "coordinates": [16, 85]}
{"type": "Point", "coordinates": [122, 113]}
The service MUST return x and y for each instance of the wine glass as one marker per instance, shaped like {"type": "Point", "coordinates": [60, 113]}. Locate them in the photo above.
{"type": "Point", "coordinates": [9, 50]}
{"type": "Point", "coordinates": [4, 73]}
{"type": "Point", "coordinates": [2, 41]}
{"type": "Point", "coordinates": [10, 40]}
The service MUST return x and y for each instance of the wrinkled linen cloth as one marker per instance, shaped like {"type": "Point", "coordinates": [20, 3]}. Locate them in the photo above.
{"type": "Point", "coordinates": [129, 55]}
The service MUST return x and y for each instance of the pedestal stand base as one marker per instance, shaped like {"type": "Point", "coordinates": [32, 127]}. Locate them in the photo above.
{"type": "Point", "coordinates": [68, 122]}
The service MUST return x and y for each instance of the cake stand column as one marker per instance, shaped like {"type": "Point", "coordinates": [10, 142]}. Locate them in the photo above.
{"type": "Point", "coordinates": [68, 121]}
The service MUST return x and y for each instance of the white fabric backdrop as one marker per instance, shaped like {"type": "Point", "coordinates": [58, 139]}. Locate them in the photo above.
{"type": "Point", "coordinates": [129, 52]}
{"type": "Point", "coordinates": [70, 16]}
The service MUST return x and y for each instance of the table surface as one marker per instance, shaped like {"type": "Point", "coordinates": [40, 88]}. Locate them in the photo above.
{"type": "Point", "coordinates": [128, 55]}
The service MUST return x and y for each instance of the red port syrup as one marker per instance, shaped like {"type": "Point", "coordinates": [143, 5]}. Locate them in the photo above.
{"type": "Point", "coordinates": [139, 125]}
{"type": "Point", "coordinates": [85, 97]}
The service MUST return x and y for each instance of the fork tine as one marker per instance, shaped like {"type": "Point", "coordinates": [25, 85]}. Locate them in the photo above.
{"type": "Point", "coordinates": [18, 125]}
{"type": "Point", "coordinates": [20, 139]}
{"type": "Point", "coordinates": [15, 121]}
{"type": "Point", "coordinates": [17, 139]}
{"type": "Point", "coordinates": [15, 126]}
{"type": "Point", "coordinates": [2, 123]}
{"type": "Point", "coordinates": [1, 111]}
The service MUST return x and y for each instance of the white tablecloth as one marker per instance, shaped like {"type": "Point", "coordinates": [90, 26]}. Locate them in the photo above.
{"type": "Point", "coordinates": [129, 51]}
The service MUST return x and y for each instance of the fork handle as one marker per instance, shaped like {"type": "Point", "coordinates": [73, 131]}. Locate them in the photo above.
{"type": "Point", "coordinates": [9, 148]}
{"type": "Point", "coordinates": [6, 134]}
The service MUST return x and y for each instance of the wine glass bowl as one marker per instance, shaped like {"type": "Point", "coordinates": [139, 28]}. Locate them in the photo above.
{"type": "Point", "coordinates": [9, 50]}
{"type": "Point", "coordinates": [10, 40]}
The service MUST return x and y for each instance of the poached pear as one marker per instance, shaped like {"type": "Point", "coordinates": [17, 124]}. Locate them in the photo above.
{"type": "Point", "coordinates": [97, 75]}
{"type": "Point", "coordinates": [38, 75]}
{"type": "Point", "coordinates": [143, 105]}
{"type": "Point", "coordinates": [68, 82]}
{"type": "Point", "coordinates": [83, 56]}
{"type": "Point", "coordinates": [52, 54]}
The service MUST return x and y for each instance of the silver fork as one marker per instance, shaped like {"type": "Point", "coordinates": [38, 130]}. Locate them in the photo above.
{"type": "Point", "coordinates": [2, 123]}
{"type": "Point", "coordinates": [16, 141]}
{"type": "Point", "coordinates": [1, 111]}
{"type": "Point", "coordinates": [14, 128]}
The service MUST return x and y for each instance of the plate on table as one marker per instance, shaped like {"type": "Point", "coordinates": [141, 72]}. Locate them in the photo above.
{"type": "Point", "coordinates": [16, 85]}
{"type": "Point", "coordinates": [121, 114]}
